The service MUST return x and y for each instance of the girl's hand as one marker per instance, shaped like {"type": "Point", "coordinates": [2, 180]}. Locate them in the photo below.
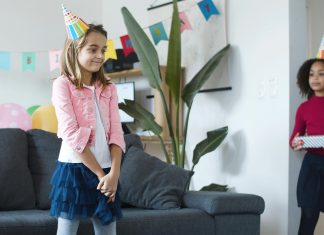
{"type": "Point", "coordinates": [108, 186]}
{"type": "Point", "coordinates": [297, 145]}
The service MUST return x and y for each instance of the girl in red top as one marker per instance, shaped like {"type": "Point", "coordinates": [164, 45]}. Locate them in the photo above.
{"type": "Point", "coordinates": [310, 121]}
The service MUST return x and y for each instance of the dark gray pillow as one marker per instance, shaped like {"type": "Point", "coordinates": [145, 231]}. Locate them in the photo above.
{"type": "Point", "coordinates": [44, 148]}
{"type": "Point", "coordinates": [148, 182]}
{"type": "Point", "coordinates": [133, 140]}
{"type": "Point", "coordinates": [17, 191]}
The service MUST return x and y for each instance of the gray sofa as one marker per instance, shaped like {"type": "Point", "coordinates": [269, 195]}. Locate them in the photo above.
{"type": "Point", "coordinates": [26, 163]}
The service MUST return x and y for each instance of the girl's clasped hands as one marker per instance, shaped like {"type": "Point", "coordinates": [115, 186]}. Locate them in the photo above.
{"type": "Point", "coordinates": [108, 186]}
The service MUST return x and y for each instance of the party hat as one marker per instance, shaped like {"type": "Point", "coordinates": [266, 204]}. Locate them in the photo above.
{"type": "Point", "coordinates": [75, 26]}
{"type": "Point", "coordinates": [320, 54]}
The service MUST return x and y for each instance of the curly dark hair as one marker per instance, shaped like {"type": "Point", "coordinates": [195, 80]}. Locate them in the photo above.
{"type": "Point", "coordinates": [303, 77]}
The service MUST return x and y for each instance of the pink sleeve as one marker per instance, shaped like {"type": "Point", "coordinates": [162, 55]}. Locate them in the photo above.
{"type": "Point", "coordinates": [68, 128]}
{"type": "Point", "coordinates": [116, 134]}
{"type": "Point", "coordinates": [300, 125]}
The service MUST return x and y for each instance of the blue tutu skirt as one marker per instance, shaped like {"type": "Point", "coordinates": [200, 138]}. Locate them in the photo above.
{"type": "Point", "coordinates": [74, 195]}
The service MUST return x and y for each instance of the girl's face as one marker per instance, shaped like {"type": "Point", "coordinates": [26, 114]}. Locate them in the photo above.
{"type": "Point", "coordinates": [92, 54]}
{"type": "Point", "coordinates": [316, 78]}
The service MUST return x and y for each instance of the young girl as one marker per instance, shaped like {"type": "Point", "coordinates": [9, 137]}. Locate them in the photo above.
{"type": "Point", "coordinates": [85, 181]}
{"type": "Point", "coordinates": [310, 121]}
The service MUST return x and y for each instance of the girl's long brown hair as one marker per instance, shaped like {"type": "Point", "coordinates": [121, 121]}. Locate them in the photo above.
{"type": "Point", "coordinates": [70, 66]}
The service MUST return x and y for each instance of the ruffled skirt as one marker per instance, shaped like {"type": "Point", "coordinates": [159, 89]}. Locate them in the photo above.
{"type": "Point", "coordinates": [74, 195]}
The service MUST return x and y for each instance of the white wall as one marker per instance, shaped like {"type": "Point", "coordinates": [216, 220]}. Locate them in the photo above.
{"type": "Point", "coordinates": [315, 25]}
{"type": "Point", "coordinates": [113, 20]}
{"type": "Point", "coordinates": [298, 54]}
{"type": "Point", "coordinates": [315, 34]}
{"type": "Point", "coordinates": [255, 157]}
{"type": "Point", "coordinates": [36, 26]}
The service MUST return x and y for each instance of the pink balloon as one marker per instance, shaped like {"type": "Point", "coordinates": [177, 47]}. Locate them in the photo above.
{"type": "Point", "coordinates": [14, 116]}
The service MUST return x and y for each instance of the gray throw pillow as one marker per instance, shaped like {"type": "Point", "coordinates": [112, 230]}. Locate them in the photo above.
{"type": "Point", "coordinates": [148, 182]}
{"type": "Point", "coordinates": [17, 191]}
{"type": "Point", "coordinates": [133, 140]}
{"type": "Point", "coordinates": [44, 148]}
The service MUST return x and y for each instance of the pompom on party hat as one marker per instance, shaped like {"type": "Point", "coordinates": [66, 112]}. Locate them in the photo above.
{"type": "Point", "coordinates": [320, 54]}
{"type": "Point", "coordinates": [75, 26]}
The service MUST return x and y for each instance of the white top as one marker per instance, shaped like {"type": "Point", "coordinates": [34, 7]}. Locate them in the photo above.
{"type": "Point", "coordinates": [100, 149]}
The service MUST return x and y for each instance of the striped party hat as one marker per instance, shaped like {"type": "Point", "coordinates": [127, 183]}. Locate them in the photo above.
{"type": "Point", "coordinates": [75, 26]}
{"type": "Point", "coordinates": [320, 54]}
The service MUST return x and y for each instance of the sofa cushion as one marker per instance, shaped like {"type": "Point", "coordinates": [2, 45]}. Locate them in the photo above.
{"type": "Point", "coordinates": [35, 222]}
{"type": "Point", "coordinates": [44, 148]}
{"type": "Point", "coordinates": [17, 191]}
{"type": "Point", "coordinates": [185, 221]}
{"type": "Point", "coordinates": [148, 182]}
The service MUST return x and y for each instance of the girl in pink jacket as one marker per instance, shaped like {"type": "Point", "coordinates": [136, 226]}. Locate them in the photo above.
{"type": "Point", "coordinates": [85, 181]}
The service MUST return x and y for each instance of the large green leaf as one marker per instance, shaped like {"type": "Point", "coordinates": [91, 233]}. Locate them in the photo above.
{"type": "Point", "coordinates": [192, 88]}
{"type": "Point", "coordinates": [144, 49]}
{"type": "Point", "coordinates": [213, 140]}
{"type": "Point", "coordinates": [144, 117]}
{"type": "Point", "coordinates": [215, 187]}
{"type": "Point", "coordinates": [173, 69]}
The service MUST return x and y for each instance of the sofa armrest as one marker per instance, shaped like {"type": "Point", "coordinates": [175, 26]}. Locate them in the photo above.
{"type": "Point", "coordinates": [215, 203]}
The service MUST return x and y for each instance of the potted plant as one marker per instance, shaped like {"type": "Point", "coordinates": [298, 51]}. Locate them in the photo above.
{"type": "Point", "coordinates": [151, 70]}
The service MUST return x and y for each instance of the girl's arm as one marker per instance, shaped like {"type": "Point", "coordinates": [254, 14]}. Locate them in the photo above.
{"type": "Point", "coordinates": [90, 161]}
{"type": "Point", "coordinates": [116, 155]}
{"type": "Point", "coordinates": [109, 183]}
{"type": "Point", "coordinates": [299, 130]}
{"type": "Point", "coordinates": [74, 135]}
{"type": "Point", "coordinates": [116, 134]}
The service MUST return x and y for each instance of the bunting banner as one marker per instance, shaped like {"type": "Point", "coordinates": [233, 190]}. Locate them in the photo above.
{"type": "Point", "coordinates": [28, 61]}
{"type": "Point", "coordinates": [208, 8]}
{"type": "Point", "coordinates": [158, 33]}
{"type": "Point", "coordinates": [127, 45]}
{"type": "Point", "coordinates": [5, 60]}
{"type": "Point", "coordinates": [111, 51]}
{"type": "Point", "coordinates": [184, 22]}
{"type": "Point", "coordinates": [54, 59]}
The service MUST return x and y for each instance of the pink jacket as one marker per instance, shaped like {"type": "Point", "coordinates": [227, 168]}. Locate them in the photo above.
{"type": "Point", "coordinates": [75, 111]}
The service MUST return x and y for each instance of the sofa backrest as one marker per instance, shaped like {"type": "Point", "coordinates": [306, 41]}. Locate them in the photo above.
{"type": "Point", "coordinates": [27, 161]}
{"type": "Point", "coordinates": [43, 151]}
{"type": "Point", "coordinates": [16, 185]}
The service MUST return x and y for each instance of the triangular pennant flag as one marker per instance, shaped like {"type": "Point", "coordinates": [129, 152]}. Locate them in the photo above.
{"type": "Point", "coordinates": [208, 8]}
{"type": "Point", "coordinates": [184, 22]}
{"type": "Point", "coordinates": [28, 61]}
{"type": "Point", "coordinates": [5, 60]}
{"type": "Point", "coordinates": [111, 51]}
{"type": "Point", "coordinates": [320, 54]}
{"type": "Point", "coordinates": [54, 59]}
{"type": "Point", "coordinates": [158, 33]}
{"type": "Point", "coordinates": [127, 44]}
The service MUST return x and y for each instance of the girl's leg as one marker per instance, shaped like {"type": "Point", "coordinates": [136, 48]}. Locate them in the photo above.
{"type": "Point", "coordinates": [308, 221]}
{"type": "Point", "coordinates": [100, 229]}
{"type": "Point", "coordinates": [67, 227]}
